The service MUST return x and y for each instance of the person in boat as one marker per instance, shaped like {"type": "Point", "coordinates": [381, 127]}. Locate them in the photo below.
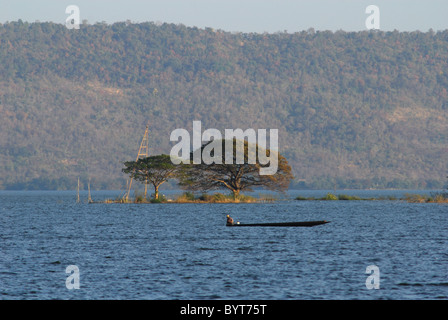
{"type": "Point", "coordinates": [229, 221]}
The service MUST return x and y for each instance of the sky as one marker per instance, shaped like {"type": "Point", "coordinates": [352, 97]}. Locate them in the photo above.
{"type": "Point", "coordinates": [241, 15]}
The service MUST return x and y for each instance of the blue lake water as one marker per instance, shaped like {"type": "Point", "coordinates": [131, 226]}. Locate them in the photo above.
{"type": "Point", "coordinates": [185, 251]}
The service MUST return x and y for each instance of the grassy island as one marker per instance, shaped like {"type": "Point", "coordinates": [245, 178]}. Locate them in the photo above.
{"type": "Point", "coordinates": [189, 197]}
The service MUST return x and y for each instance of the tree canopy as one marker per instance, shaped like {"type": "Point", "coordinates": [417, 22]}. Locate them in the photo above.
{"type": "Point", "coordinates": [235, 176]}
{"type": "Point", "coordinates": [155, 170]}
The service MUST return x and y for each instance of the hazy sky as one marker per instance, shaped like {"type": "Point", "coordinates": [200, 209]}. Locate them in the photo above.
{"type": "Point", "coordinates": [241, 15]}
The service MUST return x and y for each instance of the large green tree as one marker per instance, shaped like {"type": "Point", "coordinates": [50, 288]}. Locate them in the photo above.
{"type": "Point", "coordinates": [154, 170]}
{"type": "Point", "coordinates": [234, 176]}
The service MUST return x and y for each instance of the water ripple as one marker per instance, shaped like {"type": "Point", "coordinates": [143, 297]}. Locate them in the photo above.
{"type": "Point", "coordinates": [177, 251]}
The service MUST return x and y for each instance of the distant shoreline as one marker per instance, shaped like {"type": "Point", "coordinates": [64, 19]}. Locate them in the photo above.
{"type": "Point", "coordinates": [439, 197]}
{"type": "Point", "coordinates": [436, 197]}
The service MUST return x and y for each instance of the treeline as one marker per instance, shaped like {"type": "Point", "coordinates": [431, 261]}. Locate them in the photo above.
{"type": "Point", "coordinates": [354, 109]}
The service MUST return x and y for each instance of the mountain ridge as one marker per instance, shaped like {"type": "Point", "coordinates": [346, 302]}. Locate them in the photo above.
{"type": "Point", "coordinates": [354, 109]}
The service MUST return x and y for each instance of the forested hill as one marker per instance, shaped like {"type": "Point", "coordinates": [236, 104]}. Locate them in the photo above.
{"type": "Point", "coordinates": [354, 110]}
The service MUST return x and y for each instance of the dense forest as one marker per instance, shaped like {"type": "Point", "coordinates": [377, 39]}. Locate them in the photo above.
{"type": "Point", "coordinates": [354, 109]}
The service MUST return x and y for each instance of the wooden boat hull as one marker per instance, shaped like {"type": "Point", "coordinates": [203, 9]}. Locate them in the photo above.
{"type": "Point", "coordinates": [281, 224]}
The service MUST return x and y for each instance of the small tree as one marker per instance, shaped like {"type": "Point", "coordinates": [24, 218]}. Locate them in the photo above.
{"type": "Point", "coordinates": [155, 170]}
{"type": "Point", "coordinates": [235, 177]}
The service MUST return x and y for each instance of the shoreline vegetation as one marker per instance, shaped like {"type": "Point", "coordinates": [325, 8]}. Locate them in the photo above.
{"type": "Point", "coordinates": [441, 197]}
{"type": "Point", "coordinates": [189, 197]}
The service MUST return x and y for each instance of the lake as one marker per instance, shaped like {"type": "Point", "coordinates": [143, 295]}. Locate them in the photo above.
{"type": "Point", "coordinates": [185, 251]}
